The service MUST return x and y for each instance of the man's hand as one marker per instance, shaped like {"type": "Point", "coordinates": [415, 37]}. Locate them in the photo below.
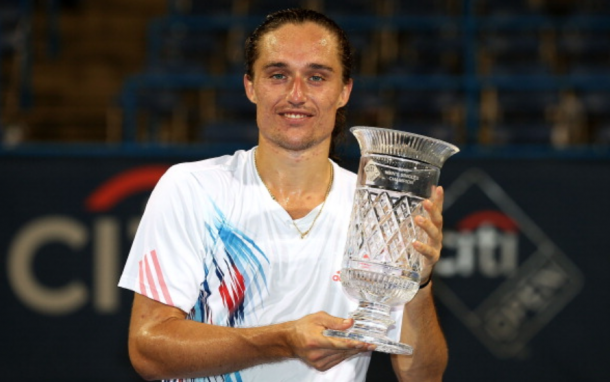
{"type": "Point", "coordinates": [433, 226]}
{"type": "Point", "coordinates": [315, 349]}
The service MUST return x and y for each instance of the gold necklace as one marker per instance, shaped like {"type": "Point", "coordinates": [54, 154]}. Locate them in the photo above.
{"type": "Point", "coordinates": [330, 185]}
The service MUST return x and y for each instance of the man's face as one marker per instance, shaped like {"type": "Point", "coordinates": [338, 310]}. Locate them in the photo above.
{"type": "Point", "coordinates": [297, 86]}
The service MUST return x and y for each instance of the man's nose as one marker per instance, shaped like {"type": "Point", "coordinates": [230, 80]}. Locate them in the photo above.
{"type": "Point", "coordinates": [296, 94]}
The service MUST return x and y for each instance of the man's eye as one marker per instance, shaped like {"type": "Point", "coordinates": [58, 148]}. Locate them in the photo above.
{"type": "Point", "coordinates": [278, 76]}
{"type": "Point", "coordinates": [317, 78]}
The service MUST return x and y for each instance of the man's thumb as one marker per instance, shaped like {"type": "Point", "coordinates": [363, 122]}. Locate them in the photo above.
{"type": "Point", "coordinates": [340, 323]}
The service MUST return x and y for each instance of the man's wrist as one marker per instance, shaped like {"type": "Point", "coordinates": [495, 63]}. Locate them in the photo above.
{"type": "Point", "coordinates": [426, 283]}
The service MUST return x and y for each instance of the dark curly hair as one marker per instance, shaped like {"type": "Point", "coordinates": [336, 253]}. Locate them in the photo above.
{"type": "Point", "coordinates": [300, 16]}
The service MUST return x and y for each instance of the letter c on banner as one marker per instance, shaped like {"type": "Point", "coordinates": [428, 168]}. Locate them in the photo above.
{"type": "Point", "coordinates": [52, 301]}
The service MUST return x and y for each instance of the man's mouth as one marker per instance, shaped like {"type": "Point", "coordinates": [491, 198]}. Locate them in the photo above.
{"type": "Point", "coordinates": [294, 116]}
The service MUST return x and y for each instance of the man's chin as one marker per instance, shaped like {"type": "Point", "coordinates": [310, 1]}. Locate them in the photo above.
{"type": "Point", "coordinates": [298, 144]}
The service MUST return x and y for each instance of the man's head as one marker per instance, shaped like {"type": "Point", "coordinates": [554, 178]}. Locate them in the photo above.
{"type": "Point", "coordinates": [257, 44]}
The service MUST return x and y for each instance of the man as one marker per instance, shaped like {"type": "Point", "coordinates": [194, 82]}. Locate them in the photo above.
{"type": "Point", "coordinates": [233, 262]}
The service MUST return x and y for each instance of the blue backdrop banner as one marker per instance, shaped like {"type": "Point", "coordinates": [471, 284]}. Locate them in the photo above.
{"type": "Point", "coordinates": [520, 288]}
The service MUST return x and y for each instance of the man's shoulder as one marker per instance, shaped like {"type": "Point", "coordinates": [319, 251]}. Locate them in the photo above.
{"type": "Point", "coordinates": [209, 166]}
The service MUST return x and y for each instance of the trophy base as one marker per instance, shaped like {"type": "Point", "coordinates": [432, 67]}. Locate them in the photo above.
{"type": "Point", "coordinates": [383, 344]}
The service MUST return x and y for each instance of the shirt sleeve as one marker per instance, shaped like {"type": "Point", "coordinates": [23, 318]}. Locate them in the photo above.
{"type": "Point", "coordinates": [165, 262]}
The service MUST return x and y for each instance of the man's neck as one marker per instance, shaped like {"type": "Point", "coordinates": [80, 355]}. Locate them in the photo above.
{"type": "Point", "coordinates": [297, 181]}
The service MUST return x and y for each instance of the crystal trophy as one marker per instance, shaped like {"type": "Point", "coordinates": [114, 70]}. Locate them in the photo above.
{"type": "Point", "coordinates": [381, 269]}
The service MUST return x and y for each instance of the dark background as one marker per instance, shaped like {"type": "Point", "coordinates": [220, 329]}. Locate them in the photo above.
{"type": "Point", "coordinates": [564, 198]}
{"type": "Point", "coordinates": [91, 89]}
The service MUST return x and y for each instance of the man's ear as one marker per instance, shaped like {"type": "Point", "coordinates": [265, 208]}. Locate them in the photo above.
{"type": "Point", "coordinates": [249, 87]}
{"type": "Point", "coordinates": [345, 93]}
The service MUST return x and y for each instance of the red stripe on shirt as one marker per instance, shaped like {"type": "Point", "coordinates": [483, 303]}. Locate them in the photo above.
{"type": "Point", "coordinates": [151, 280]}
{"type": "Point", "coordinates": [141, 278]}
{"type": "Point", "coordinates": [160, 277]}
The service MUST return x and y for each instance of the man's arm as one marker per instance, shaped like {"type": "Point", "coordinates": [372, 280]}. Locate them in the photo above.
{"type": "Point", "coordinates": [420, 326]}
{"type": "Point", "coordinates": [421, 329]}
{"type": "Point", "coordinates": [164, 345]}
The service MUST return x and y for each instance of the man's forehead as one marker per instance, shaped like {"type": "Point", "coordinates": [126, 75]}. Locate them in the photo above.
{"type": "Point", "coordinates": [307, 41]}
{"type": "Point", "coordinates": [313, 33]}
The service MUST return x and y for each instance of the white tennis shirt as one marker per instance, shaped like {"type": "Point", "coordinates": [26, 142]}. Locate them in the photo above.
{"type": "Point", "coordinates": [213, 243]}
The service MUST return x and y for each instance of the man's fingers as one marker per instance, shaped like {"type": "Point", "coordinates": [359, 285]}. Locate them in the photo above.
{"type": "Point", "coordinates": [309, 343]}
{"type": "Point", "coordinates": [434, 207]}
{"type": "Point", "coordinates": [433, 231]}
{"type": "Point", "coordinates": [438, 196]}
{"type": "Point", "coordinates": [337, 323]}
{"type": "Point", "coordinates": [334, 359]}
{"type": "Point", "coordinates": [341, 343]}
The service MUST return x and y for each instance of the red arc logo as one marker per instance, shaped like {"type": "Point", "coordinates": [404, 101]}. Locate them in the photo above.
{"type": "Point", "coordinates": [122, 185]}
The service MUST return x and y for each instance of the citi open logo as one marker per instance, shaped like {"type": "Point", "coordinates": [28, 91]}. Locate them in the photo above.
{"type": "Point", "coordinates": [499, 273]}
{"type": "Point", "coordinates": [100, 238]}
